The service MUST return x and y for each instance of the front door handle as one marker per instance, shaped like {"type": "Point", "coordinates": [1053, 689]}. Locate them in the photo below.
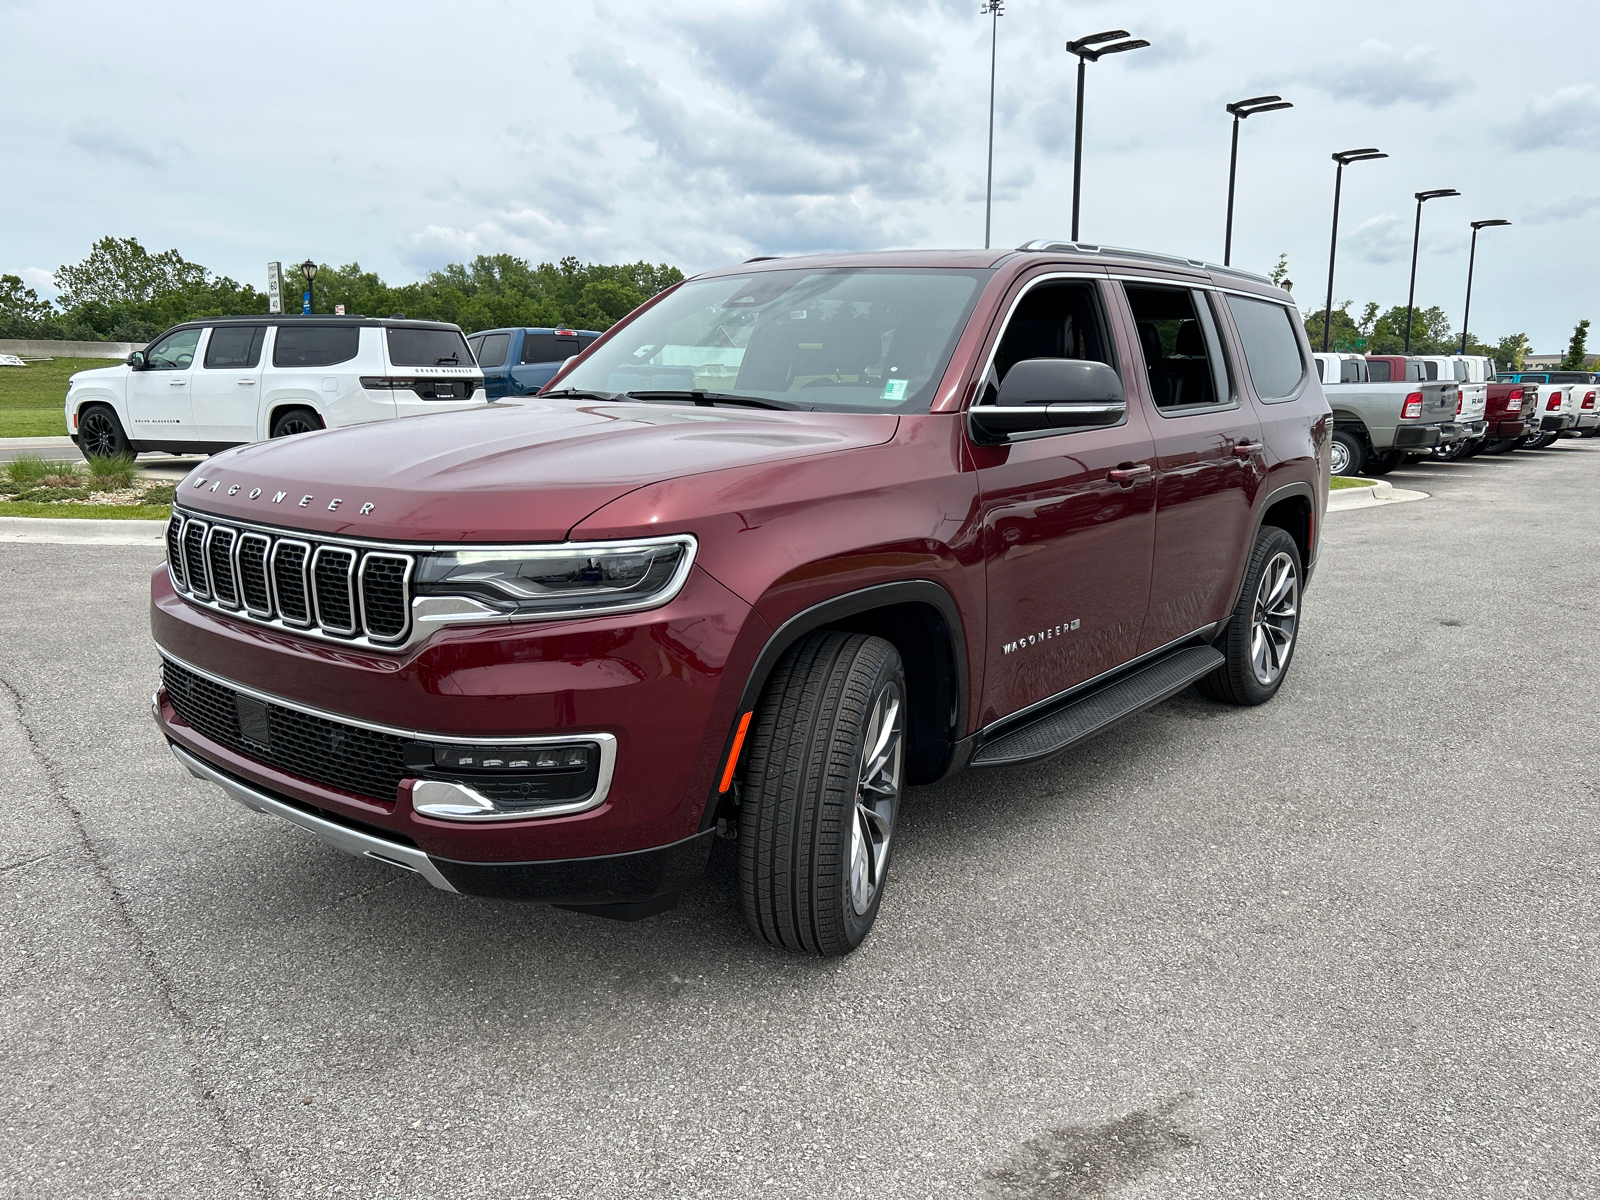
{"type": "Point", "coordinates": [177, 382]}
{"type": "Point", "coordinates": [247, 383]}
{"type": "Point", "coordinates": [1246, 449]}
{"type": "Point", "coordinates": [1126, 475]}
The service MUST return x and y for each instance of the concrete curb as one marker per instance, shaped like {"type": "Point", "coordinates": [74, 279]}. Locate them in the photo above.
{"type": "Point", "coordinates": [64, 531]}
{"type": "Point", "coordinates": [1381, 492]}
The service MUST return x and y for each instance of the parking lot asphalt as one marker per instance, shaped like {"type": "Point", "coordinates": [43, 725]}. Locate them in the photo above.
{"type": "Point", "coordinates": [1341, 946]}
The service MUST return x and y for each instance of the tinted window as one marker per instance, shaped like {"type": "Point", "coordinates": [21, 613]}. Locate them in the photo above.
{"type": "Point", "coordinates": [428, 348]}
{"type": "Point", "coordinates": [1350, 371]}
{"type": "Point", "coordinates": [547, 347]}
{"type": "Point", "coordinates": [1378, 372]}
{"type": "Point", "coordinates": [175, 352]}
{"type": "Point", "coordinates": [1271, 350]}
{"type": "Point", "coordinates": [315, 346]}
{"type": "Point", "coordinates": [1430, 371]}
{"type": "Point", "coordinates": [235, 346]}
{"type": "Point", "coordinates": [1569, 377]}
{"type": "Point", "coordinates": [1180, 352]}
{"type": "Point", "coordinates": [492, 351]}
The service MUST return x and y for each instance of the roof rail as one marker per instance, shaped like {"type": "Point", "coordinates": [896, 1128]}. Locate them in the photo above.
{"type": "Point", "coordinates": [1125, 252]}
{"type": "Point", "coordinates": [762, 258]}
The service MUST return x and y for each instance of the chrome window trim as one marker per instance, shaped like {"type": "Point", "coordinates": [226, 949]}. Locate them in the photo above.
{"type": "Point", "coordinates": [607, 742]}
{"type": "Point", "coordinates": [349, 589]}
{"type": "Point", "coordinates": [305, 584]}
{"type": "Point", "coordinates": [409, 566]}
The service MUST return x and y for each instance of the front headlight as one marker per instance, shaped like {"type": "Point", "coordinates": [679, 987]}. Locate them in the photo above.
{"type": "Point", "coordinates": [559, 581]}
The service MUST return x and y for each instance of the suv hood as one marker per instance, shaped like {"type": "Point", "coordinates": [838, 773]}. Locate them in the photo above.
{"type": "Point", "coordinates": [95, 374]}
{"type": "Point", "coordinates": [506, 472]}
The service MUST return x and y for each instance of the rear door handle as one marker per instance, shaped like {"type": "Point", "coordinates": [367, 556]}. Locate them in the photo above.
{"type": "Point", "coordinates": [1126, 475]}
{"type": "Point", "coordinates": [1246, 449]}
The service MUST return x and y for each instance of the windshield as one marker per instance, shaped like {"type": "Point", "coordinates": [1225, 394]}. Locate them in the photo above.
{"type": "Point", "coordinates": [862, 340]}
{"type": "Point", "coordinates": [429, 348]}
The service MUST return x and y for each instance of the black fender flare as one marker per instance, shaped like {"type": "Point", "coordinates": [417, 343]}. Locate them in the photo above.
{"type": "Point", "coordinates": [833, 611]}
{"type": "Point", "coordinates": [1299, 488]}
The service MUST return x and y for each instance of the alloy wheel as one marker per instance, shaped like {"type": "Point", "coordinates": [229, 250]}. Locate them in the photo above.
{"type": "Point", "coordinates": [293, 425]}
{"type": "Point", "coordinates": [97, 436]}
{"type": "Point", "coordinates": [1273, 619]}
{"type": "Point", "coordinates": [877, 797]}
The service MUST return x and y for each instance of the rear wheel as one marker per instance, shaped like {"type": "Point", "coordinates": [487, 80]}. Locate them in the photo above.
{"type": "Point", "coordinates": [1346, 451]}
{"type": "Point", "coordinates": [1265, 624]}
{"type": "Point", "coordinates": [1499, 445]}
{"type": "Point", "coordinates": [100, 433]}
{"type": "Point", "coordinates": [820, 793]}
{"type": "Point", "coordinates": [295, 420]}
{"type": "Point", "coordinates": [1382, 464]}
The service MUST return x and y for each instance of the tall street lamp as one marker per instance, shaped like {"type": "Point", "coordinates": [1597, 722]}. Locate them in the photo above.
{"type": "Point", "coordinates": [1240, 109]}
{"type": "Point", "coordinates": [994, 10]}
{"type": "Point", "coordinates": [1088, 50]}
{"type": "Point", "coordinates": [309, 270]}
{"type": "Point", "coordinates": [1343, 158]}
{"type": "Point", "coordinates": [1472, 260]}
{"type": "Point", "coordinates": [1416, 237]}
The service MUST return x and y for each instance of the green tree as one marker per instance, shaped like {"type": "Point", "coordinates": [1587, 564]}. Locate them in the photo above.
{"type": "Point", "coordinates": [1574, 361]}
{"type": "Point", "coordinates": [22, 313]}
{"type": "Point", "coordinates": [1347, 335]}
{"type": "Point", "coordinates": [1280, 272]}
{"type": "Point", "coordinates": [1511, 351]}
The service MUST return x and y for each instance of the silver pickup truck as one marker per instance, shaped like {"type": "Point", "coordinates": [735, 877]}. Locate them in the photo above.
{"type": "Point", "coordinates": [1378, 421]}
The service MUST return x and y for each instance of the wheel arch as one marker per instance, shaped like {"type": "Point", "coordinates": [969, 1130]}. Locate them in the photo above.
{"type": "Point", "coordinates": [1291, 508]}
{"type": "Point", "coordinates": [279, 405]}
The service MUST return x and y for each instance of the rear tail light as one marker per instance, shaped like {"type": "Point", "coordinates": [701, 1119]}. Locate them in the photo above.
{"type": "Point", "coordinates": [1412, 406]}
{"type": "Point", "coordinates": [1588, 399]}
{"type": "Point", "coordinates": [1459, 400]}
{"type": "Point", "coordinates": [1554, 402]}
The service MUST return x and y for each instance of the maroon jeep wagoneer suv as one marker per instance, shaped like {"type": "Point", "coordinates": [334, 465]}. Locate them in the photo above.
{"type": "Point", "coordinates": [792, 536]}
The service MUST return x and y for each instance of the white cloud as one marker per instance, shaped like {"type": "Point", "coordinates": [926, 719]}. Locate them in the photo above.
{"type": "Point", "coordinates": [1379, 75]}
{"type": "Point", "coordinates": [1567, 118]}
{"type": "Point", "coordinates": [1381, 239]}
{"type": "Point", "coordinates": [1575, 205]}
{"type": "Point", "coordinates": [40, 280]}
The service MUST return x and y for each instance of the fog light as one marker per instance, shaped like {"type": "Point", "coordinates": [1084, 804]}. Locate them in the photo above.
{"type": "Point", "coordinates": [510, 758]}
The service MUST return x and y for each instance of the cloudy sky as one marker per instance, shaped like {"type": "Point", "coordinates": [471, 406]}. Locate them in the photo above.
{"type": "Point", "coordinates": [406, 135]}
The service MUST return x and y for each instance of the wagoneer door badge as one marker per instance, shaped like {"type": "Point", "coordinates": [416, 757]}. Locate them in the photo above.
{"type": "Point", "coordinates": [1033, 639]}
{"type": "Point", "coordinates": [279, 497]}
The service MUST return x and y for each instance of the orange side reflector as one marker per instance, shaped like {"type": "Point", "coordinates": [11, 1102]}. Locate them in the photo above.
{"type": "Point", "coordinates": [733, 755]}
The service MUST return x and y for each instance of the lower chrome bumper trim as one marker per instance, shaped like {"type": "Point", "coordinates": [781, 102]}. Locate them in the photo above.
{"type": "Point", "coordinates": [340, 837]}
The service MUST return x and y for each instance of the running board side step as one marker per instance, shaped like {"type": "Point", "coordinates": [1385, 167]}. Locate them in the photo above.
{"type": "Point", "coordinates": [1089, 714]}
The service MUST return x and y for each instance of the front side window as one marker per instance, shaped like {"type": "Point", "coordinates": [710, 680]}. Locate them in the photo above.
{"type": "Point", "coordinates": [1271, 349]}
{"type": "Point", "coordinates": [175, 352]}
{"type": "Point", "coordinates": [234, 346]}
{"type": "Point", "coordinates": [492, 351]}
{"type": "Point", "coordinates": [315, 346]}
{"type": "Point", "coordinates": [1182, 355]}
{"type": "Point", "coordinates": [1054, 319]}
{"type": "Point", "coordinates": [845, 340]}
{"type": "Point", "coordinates": [428, 348]}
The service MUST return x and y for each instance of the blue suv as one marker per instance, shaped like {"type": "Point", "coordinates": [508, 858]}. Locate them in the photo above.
{"type": "Point", "coordinates": [518, 362]}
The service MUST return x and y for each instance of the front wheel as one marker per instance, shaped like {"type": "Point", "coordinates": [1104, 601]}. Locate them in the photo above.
{"type": "Point", "coordinates": [820, 793]}
{"type": "Point", "coordinates": [100, 434]}
{"type": "Point", "coordinates": [295, 420]}
{"type": "Point", "coordinates": [1262, 631]}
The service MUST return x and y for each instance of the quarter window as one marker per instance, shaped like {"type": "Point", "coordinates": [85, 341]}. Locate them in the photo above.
{"type": "Point", "coordinates": [1271, 349]}
{"type": "Point", "coordinates": [175, 352]}
{"type": "Point", "coordinates": [315, 346]}
{"type": "Point", "coordinates": [428, 348]}
{"type": "Point", "coordinates": [234, 346]}
{"type": "Point", "coordinates": [492, 353]}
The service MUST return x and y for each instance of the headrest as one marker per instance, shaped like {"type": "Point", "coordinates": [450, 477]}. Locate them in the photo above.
{"type": "Point", "coordinates": [1190, 344]}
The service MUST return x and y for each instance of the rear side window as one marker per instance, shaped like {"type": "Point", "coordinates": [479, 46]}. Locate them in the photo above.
{"type": "Point", "coordinates": [234, 346]}
{"type": "Point", "coordinates": [1271, 350]}
{"type": "Point", "coordinates": [1181, 355]}
{"type": "Point", "coordinates": [428, 348]}
{"type": "Point", "coordinates": [1350, 371]}
{"type": "Point", "coordinates": [550, 347]}
{"type": "Point", "coordinates": [492, 353]}
{"type": "Point", "coordinates": [1378, 372]}
{"type": "Point", "coordinates": [319, 346]}
{"type": "Point", "coordinates": [1430, 372]}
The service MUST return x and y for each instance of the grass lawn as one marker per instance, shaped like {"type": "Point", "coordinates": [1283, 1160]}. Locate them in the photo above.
{"type": "Point", "coordinates": [1348, 481]}
{"type": "Point", "coordinates": [31, 397]}
{"type": "Point", "coordinates": [98, 512]}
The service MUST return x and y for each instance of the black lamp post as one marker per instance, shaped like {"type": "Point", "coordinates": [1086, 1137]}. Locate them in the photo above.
{"type": "Point", "coordinates": [994, 10]}
{"type": "Point", "coordinates": [1088, 50]}
{"type": "Point", "coordinates": [1472, 260]}
{"type": "Point", "coordinates": [1416, 237]}
{"type": "Point", "coordinates": [309, 270]}
{"type": "Point", "coordinates": [1343, 158]}
{"type": "Point", "coordinates": [1240, 109]}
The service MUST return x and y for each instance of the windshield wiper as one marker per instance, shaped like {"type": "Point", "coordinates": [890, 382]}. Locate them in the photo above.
{"type": "Point", "coordinates": [572, 393]}
{"type": "Point", "coordinates": [707, 399]}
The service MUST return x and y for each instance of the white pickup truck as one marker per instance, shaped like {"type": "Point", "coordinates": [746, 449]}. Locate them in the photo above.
{"type": "Point", "coordinates": [1560, 405]}
{"type": "Point", "coordinates": [1473, 373]}
{"type": "Point", "coordinates": [1379, 419]}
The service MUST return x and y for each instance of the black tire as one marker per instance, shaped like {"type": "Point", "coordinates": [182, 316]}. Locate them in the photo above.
{"type": "Point", "coordinates": [100, 434]}
{"type": "Point", "coordinates": [1382, 464]}
{"type": "Point", "coordinates": [1499, 445]}
{"type": "Point", "coordinates": [295, 420]}
{"type": "Point", "coordinates": [1237, 680]}
{"type": "Point", "coordinates": [809, 830]}
{"type": "Point", "coordinates": [1351, 448]}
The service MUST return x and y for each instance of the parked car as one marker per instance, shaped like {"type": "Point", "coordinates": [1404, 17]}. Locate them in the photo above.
{"type": "Point", "coordinates": [1509, 409]}
{"type": "Point", "coordinates": [943, 511]}
{"type": "Point", "coordinates": [518, 362]}
{"type": "Point", "coordinates": [204, 386]}
{"type": "Point", "coordinates": [1472, 374]}
{"type": "Point", "coordinates": [1378, 420]}
{"type": "Point", "coordinates": [1558, 401]}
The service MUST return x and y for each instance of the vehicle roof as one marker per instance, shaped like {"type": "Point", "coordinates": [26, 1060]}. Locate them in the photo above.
{"type": "Point", "coordinates": [315, 319]}
{"type": "Point", "coordinates": [536, 329]}
{"type": "Point", "coordinates": [1041, 251]}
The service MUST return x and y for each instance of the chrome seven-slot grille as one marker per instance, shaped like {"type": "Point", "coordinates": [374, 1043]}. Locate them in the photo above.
{"type": "Point", "coordinates": [305, 584]}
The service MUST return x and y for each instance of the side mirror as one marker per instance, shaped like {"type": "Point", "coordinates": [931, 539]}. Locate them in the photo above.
{"type": "Point", "coordinates": [1050, 393]}
{"type": "Point", "coordinates": [136, 360]}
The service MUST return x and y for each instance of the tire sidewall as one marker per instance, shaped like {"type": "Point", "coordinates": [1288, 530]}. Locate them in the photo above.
{"type": "Point", "coordinates": [1269, 543]}
{"type": "Point", "coordinates": [1354, 451]}
{"type": "Point", "coordinates": [121, 438]}
{"type": "Point", "coordinates": [856, 926]}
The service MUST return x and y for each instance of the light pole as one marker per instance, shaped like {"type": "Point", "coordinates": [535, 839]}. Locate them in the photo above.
{"type": "Point", "coordinates": [1082, 48]}
{"type": "Point", "coordinates": [1472, 260]}
{"type": "Point", "coordinates": [1416, 238]}
{"type": "Point", "coordinates": [1240, 109]}
{"type": "Point", "coordinates": [309, 270]}
{"type": "Point", "coordinates": [1343, 158]}
{"type": "Point", "coordinates": [994, 10]}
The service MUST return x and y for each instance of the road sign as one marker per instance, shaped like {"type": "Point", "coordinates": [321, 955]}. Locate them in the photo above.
{"type": "Point", "coordinates": [338, 310]}
{"type": "Point", "coordinates": [274, 287]}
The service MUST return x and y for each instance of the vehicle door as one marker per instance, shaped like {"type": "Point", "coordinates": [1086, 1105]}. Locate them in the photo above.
{"type": "Point", "coordinates": [226, 390]}
{"type": "Point", "coordinates": [492, 354]}
{"type": "Point", "coordinates": [1067, 516]}
{"type": "Point", "coordinates": [158, 396]}
{"type": "Point", "coordinates": [1209, 456]}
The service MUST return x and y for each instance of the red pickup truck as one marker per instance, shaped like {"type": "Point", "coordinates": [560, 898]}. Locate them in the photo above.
{"type": "Point", "coordinates": [1509, 411]}
{"type": "Point", "coordinates": [792, 536]}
